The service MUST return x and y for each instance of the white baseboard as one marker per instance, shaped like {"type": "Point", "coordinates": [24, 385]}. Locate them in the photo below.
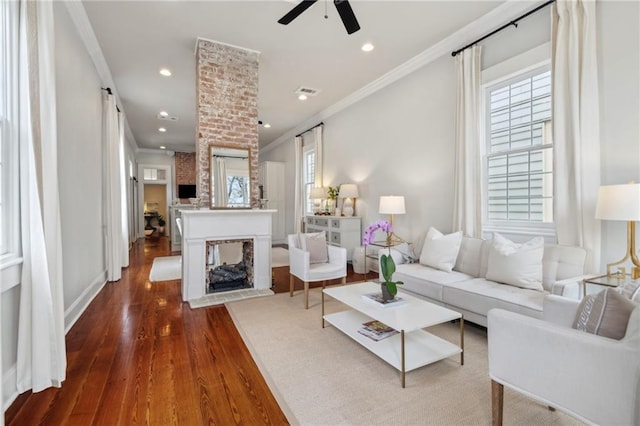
{"type": "Point", "coordinates": [76, 309]}
{"type": "Point", "coordinates": [9, 390]}
{"type": "Point", "coordinates": [71, 315]}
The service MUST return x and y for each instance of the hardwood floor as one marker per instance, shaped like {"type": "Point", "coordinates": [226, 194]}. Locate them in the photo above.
{"type": "Point", "coordinates": [138, 355]}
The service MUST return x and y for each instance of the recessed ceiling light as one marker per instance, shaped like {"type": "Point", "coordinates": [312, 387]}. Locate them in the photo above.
{"type": "Point", "coordinates": [302, 97]}
{"type": "Point", "coordinates": [367, 47]}
{"type": "Point", "coordinates": [267, 125]}
{"type": "Point", "coordinates": [163, 147]}
{"type": "Point", "coordinates": [162, 129]}
{"type": "Point", "coordinates": [165, 71]}
{"type": "Point", "coordinates": [164, 114]}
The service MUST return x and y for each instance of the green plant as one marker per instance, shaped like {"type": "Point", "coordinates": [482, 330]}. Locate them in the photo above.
{"type": "Point", "coordinates": [387, 265]}
{"type": "Point", "coordinates": [333, 192]}
{"type": "Point", "coordinates": [161, 221]}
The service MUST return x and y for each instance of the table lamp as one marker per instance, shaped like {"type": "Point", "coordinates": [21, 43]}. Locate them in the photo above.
{"type": "Point", "coordinates": [317, 194]}
{"type": "Point", "coordinates": [391, 205]}
{"type": "Point", "coordinates": [622, 202]}
{"type": "Point", "coordinates": [348, 191]}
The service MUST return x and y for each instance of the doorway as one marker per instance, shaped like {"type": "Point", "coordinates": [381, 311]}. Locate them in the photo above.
{"type": "Point", "coordinates": [155, 208]}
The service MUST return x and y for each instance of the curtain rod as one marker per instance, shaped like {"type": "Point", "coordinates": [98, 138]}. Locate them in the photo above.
{"type": "Point", "coordinates": [514, 23]}
{"type": "Point", "coordinates": [108, 90]}
{"type": "Point", "coordinates": [309, 129]}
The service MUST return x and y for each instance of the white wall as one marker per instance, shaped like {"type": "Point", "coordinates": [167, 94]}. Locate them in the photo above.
{"type": "Point", "coordinates": [619, 75]}
{"type": "Point", "coordinates": [401, 139]}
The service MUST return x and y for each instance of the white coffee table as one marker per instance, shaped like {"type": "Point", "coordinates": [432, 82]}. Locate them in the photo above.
{"type": "Point", "coordinates": [412, 347]}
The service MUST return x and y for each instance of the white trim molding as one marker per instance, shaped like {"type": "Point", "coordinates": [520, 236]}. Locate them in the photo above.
{"type": "Point", "coordinates": [496, 17]}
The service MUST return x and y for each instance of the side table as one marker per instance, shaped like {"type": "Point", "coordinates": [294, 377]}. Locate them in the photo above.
{"type": "Point", "coordinates": [615, 280]}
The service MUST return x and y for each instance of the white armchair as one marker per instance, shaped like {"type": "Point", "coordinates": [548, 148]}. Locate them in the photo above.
{"type": "Point", "coordinates": [593, 378]}
{"type": "Point", "coordinates": [299, 266]}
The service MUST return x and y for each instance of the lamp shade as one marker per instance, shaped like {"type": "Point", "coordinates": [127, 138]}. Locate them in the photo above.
{"type": "Point", "coordinates": [348, 190]}
{"type": "Point", "coordinates": [619, 202]}
{"type": "Point", "coordinates": [391, 204]}
{"type": "Point", "coordinates": [318, 193]}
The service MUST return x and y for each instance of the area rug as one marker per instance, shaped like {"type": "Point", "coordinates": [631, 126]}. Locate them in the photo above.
{"type": "Point", "coordinates": [279, 257]}
{"type": "Point", "coordinates": [321, 376]}
{"type": "Point", "coordinates": [166, 268]}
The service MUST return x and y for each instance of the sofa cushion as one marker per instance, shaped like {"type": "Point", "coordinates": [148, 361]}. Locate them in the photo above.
{"type": "Point", "coordinates": [469, 256]}
{"type": "Point", "coordinates": [560, 263]}
{"type": "Point", "coordinates": [630, 290]}
{"type": "Point", "coordinates": [515, 264]}
{"type": "Point", "coordinates": [440, 251]}
{"type": "Point", "coordinates": [480, 295]}
{"type": "Point", "coordinates": [605, 314]}
{"type": "Point", "coordinates": [316, 245]}
{"type": "Point", "coordinates": [426, 281]}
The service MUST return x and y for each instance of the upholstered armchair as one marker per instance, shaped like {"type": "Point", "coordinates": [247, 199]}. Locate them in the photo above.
{"type": "Point", "coordinates": [594, 378]}
{"type": "Point", "coordinates": [302, 265]}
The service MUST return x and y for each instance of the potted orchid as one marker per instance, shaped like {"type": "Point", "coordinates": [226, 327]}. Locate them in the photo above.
{"type": "Point", "coordinates": [387, 265]}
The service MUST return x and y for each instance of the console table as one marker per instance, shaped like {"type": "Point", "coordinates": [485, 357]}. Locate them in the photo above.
{"type": "Point", "coordinates": [340, 231]}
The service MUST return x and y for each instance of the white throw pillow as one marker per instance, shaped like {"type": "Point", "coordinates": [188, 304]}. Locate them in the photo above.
{"type": "Point", "coordinates": [440, 251]}
{"type": "Point", "coordinates": [515, 264]}
{"type": "Point", "coordinates": [316, 245]}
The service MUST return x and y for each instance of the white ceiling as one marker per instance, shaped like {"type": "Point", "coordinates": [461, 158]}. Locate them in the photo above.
{"type": "Point", "coordinates": [137, 38]}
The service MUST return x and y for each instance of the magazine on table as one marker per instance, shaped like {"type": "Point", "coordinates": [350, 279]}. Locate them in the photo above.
{"type": "Point", "coordinates": [377, 299]}
{"type": "Point", "coordinates": [376, 330]}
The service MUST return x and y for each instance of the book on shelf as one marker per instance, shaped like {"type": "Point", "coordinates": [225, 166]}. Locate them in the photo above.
{"type": "Point", "coordinates": [377, 299]}
{"type": "Point", "coordinates": [376, 330]}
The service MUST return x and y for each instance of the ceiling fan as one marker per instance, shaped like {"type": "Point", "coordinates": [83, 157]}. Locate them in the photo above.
{"type": "Point", "coordinates": [344, 10]}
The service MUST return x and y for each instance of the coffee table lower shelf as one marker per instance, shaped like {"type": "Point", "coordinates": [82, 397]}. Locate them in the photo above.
{"type": "Point", "coordinates": [420, 347]}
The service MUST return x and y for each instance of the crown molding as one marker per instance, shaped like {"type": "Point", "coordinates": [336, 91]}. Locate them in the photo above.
{"type": "Point", "coordinates": [491, 20]}
{"type": "Point", "coordinates": [85, 30]}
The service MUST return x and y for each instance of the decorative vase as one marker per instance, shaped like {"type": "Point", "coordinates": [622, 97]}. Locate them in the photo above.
{"type": "Point", "coordinates": [386, 296]}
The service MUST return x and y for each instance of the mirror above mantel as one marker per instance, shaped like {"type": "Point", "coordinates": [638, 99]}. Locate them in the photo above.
{"type": "Point", "coordinates": [230, 171]}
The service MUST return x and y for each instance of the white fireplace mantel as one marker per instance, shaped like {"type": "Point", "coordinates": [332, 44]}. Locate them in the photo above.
{"type": "Point", "coordinates": [200, 226]}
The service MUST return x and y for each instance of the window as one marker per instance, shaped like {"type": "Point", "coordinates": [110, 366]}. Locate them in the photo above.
{"type": "Point", "coordinates": [518, 162]}
{"type": "Point", "coordinates": [238, 182]}
{"type": "Point", "coordinates": [9, 189]}
{"type": "Point", "coordinates": [308, 177]}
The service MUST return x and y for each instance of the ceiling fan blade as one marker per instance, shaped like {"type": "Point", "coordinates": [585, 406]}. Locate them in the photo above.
{"type": "Point", "coordinates": [346, 14]}
{"type": "Point", "coordinates": [296, 11]}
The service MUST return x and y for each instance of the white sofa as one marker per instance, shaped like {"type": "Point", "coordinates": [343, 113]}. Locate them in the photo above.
{"type": "Point", "coordinates": [466, 290]}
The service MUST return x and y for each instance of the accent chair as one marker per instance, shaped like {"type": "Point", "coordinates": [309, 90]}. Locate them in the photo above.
{"type": "Point", "coordinates": [303, 266]}
{"type": "Point", "coordinates": [591, 377]}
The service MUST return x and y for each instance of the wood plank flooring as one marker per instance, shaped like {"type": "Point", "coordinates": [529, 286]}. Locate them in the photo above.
{"type": "Point", "coordinates": [138, 355]}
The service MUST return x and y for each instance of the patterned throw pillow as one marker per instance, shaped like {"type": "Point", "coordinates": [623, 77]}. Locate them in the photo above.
{"type": "Point", "coordinates": [605, 314]}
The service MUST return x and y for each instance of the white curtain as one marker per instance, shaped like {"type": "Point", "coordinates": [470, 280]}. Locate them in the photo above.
{"type": "Point", "coordinates": [41, 355]}
{"type": "Point", "coordinates": [221, 182]}
{"type": "Point", "coordinates": [576, 126]}
{"type": "Point", "coordinates": [124, 211]}
{"type": "Point", "coordinates": [113, 189]}
{"type": "Point", "coordinates": [467, 208]}
{"type": "Point", "coordinates": [298, 203]}
{"type": "Point", "coordinates": [318, 152]}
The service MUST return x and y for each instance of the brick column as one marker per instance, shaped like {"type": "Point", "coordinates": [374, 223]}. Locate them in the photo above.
{"type": "Point", "coordinates": [227, 100]}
